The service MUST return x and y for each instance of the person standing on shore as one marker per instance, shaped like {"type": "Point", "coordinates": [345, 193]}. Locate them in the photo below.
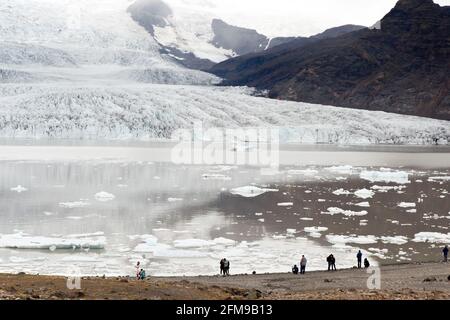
{"type": "Point", "coordinates": [226, 267]}
{"type": "Point", "coordinates": [333, 263]}
{"type": "Point", "coordinates": [445, 252]}
{"type": "Point", "coordinates": [359, 257]}
{"type": "Point", "coordinates": [222, 268]}
{"type": "Point", "coordinates": [303, 262]}
{"type": "Point", "coordinates": [138, 270]}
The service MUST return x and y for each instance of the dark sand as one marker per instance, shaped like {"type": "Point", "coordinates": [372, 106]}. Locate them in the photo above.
{"type": "Point", "coordinates": [404, 282]}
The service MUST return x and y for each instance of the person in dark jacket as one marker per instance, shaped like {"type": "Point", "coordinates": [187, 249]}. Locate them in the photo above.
{"type": "Point", "coordinates": [226, 267]}
{"type": "Point", "coordinates": [222, 272]}
{"type": "Point", "coordinates": [295, 269]}
{"type": "Point", "coordinates": [331, 262]}
{"type": "Point", "coordinates": [366, 263]}
{"type": "Point", "coordinates": [359, 257]}
{"type": "Point", "coordinates": [445, 252]}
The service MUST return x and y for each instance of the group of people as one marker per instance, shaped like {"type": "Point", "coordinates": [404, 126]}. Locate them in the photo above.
{"type": "Point", "coordinates": [224, 267]}
{"type": "Point", "coordinates": [359, 258]}
{"type": "Point", "coordinates": [331, 260]}
{"type": "Point", "coordinates": [140, 273]}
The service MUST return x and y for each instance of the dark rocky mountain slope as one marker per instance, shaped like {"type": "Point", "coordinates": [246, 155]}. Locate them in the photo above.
{"type": "Point", "coordinates": [403, 66]}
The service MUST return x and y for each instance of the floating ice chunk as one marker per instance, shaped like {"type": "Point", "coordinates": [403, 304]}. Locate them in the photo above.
{"type": "Point", "coordinates": [432, 237]}
{"type": "Point", "coordinates": [341, 169]}
{"type": "Point", "coordinates": [363, 204]}
{"type": "Point", "coordinates": [261, 220]}
{"type": "Point", "coordinates": [307, 219]}
{"type": "Point", "coordinates": [215, 176]}
{"type": "Point", "coordinates": [306, 172]}
{"type": "Point", "coordinates": [285, 204]}
{"type": "Point", "coordinates": [384, 189]}
{"type": "Point", "coordinates": [19, 189]}
{"type": "Point", "coordinates": [364, 193]}
{"type": "Point", "coordinates": [398, 240]}
{"type": "Point", "coordinates": [104, 196]}
{"type": "Point", "coordinates": [48, 213]}
{"type": "Point", "coordinates": [369, 239]}
{"type": "Point", "coordinates": [174, 199]}
{"type": "Point", "coordinates": [348, 213]}
{"type": "Point", "coordinates": [291, 231]}
{"type": "Point", "coordinates": [22, 241]}
{"type": "Point", "coordinates": [192, 243]}
{"type": "Point", "coordinates": [250, 191]}
{"type": "Point", "coordinates": [315, 229]}
{"type": "Point", "coordinates": [258, 214]}
{"type": "Point", "coordinates": [439, 179]}
{"type": "Point", "coordinates": [412, 211]}
{"type": "Point", "coordinates": [341, 192]}
{"type": "Point", "coordinates": [406, 205]}
{"type": "Point", "coordinates": [399, 177]}
{"type": "Point", "coordinates": [74, 204]}
{"type": "Point", "coordinates": [224, 241]}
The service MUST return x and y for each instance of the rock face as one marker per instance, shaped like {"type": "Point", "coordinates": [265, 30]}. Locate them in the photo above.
{"type": "Point", "coordinates": [400, 67]}
{"type": "Point", "coordinates": [240, 40]}
{"type": "Point", "coordinates": [150, 13]}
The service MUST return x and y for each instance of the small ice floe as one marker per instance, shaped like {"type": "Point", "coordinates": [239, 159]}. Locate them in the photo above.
{"type": "Point", "coordinates": [192, 243]}
{"type": "Point", "coordinates": [48, 213]}
{"type": "Point", "coordinates": [315, 229]}
{"type": "Point", "coordinates": [364, 193]}
{"type": "Point", "coordinates": [384, 189]}
{"type": "Point", "coordinates": [174, 199]}
{"type": "Point", "coordinates": [412, 211]}
{"type": "Point", "coordinates": [291, 231]}
{"type": "Point", "coordinates": [306, 172]}
{"type": "Point", "coordinates": [380, 253]}
{"type": "Point", "coordinates": [399, 177]}
{"type": "Point", "coordinates": [321, 200]}
{"type": "Point", "coordinates": [432, 237]}
{"type": "Point", "coordinates": [19, 189]}
{"type": "Point", "coordinates": [348, 213]}
{"type": "Point", "coordinates": [363, 204]}
{"type": "Point", "coordinates": [285, 204]}
{"type": "Point", "coordinates": [258, 214]}
{"type": "Point", "coordinates": [398, 240]}
{"type": "Point", "coordinates": [261, 220]}
{"type": "Point", "coordinates": [104, 196]}
{"type": "Point", "coordinates": [74, 204]}
{"type": "Point", "coordinates": [407, 205]}
{"type": "Point", "coordinates": [251, 191]}
{"type": "Point", "coordinates": [307, 219]}
{"type": "Point", "coordinates": [363, 222]}
{"type": "Point", "coordinates": [215, 176]}
{"type": "Point", "coordinates": [439, 179]}
{"type": "Point", "coordinates": [341, 169]}
{"type": "Point", "coordinates": [341, 192]}
{"type": "Point", "coordinates": [24, 241]}
{"type": "Point", "coordinates": [315, 232]}
{"type": "Point", "coordinates": [369, 239]}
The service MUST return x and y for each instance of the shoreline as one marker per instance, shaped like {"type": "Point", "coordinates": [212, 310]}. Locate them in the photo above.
{"type": "Point", "coordinates": [407, 281]}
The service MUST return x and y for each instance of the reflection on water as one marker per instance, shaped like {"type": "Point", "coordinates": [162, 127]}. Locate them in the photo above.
{"type": "Point", "coordinates": [183, 219]}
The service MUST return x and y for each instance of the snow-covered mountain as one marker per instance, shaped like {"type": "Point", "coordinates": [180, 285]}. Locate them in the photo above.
{"type": "Point", "coordinates": [84, 69]}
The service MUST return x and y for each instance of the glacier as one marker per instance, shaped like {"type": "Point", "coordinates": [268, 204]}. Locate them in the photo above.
{"type": "Point", "coordinates": [84, 70]}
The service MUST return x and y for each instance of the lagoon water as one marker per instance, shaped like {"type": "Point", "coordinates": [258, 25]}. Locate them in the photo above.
{"type": "Point", "coordinates": [99, 209]}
